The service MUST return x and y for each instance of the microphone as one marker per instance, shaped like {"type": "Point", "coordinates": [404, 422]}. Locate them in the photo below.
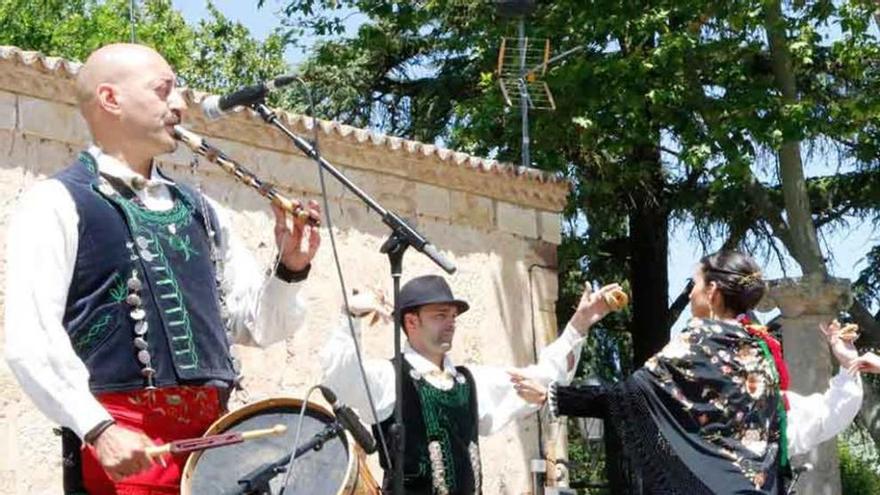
{"type": "Point", "coordinates": [803, 468]}
{"type": "Point", "coordinates": [349, 420]}
{"type": "Point", "coordinates": [215, 106]}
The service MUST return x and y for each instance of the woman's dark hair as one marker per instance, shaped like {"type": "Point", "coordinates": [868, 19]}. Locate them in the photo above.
{"type": "Point", "coordinates": [738, 277]}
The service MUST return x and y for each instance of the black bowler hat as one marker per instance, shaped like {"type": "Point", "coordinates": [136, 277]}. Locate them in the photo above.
{"type": "Point", "coordinates": [428, 289]}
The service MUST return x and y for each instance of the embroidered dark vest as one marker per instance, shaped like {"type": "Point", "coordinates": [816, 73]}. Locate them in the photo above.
{"type": "Point", "coordinates": [442, 437]}
{"type": "Point", "coordinates": [170, 253]}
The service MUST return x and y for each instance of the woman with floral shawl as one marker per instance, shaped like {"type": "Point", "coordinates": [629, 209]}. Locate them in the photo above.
{"type": "Point", "coordinates": [707, 414]}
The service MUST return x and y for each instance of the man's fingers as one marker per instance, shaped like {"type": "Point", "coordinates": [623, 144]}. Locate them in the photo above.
{"type": "Point", "coordinates": [295, 237]}
{"type": "Point", "coordinates": [280, 216]}
{"type": "Point", "coordinates": [314, 240]}
{"type": "Point", "coordinates": [311, 210]}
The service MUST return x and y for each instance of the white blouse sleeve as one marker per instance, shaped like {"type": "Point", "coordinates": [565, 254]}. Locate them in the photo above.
{"type": "Point", "coordinates": [815, 418]}
{"type": "Point", "coordinates": [263, 310]}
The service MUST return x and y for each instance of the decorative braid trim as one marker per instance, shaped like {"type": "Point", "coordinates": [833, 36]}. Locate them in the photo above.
{"type": "Point", "coordinates": [438, 470]}
{"type": "Point", "coordinates": [476, 466]}
{"type": "Point", "coordinates": [553, 406]}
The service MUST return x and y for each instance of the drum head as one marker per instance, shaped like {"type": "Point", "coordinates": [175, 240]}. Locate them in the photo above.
{"type": "Point", "coordinates": [325, 471]}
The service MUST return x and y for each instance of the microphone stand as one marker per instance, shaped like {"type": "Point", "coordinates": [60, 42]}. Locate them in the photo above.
{"type": "Point", "coordinates": [257, 481]}
{"type": "Point", "coordinates": [402, 237]}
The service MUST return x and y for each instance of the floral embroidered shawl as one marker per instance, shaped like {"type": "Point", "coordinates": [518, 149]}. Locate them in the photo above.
{"type": "Point", "coordinates": [714, 394]}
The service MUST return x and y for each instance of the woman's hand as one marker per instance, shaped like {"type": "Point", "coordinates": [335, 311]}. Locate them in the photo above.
{"type": "Point", "coordinates": [529, 390]}
{"type": "Point", "coordinates": [840, 339]}
{"type": "Point", "coordinates": [866, 363]}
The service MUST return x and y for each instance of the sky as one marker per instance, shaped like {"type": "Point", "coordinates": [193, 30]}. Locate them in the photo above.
{"type": "Point", "coordinates": [849, 245]}
{"type": "Point", "coordinates": [260, 21]}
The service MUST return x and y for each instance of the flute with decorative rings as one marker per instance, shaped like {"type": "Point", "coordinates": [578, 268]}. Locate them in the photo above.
{"type": "Point", "coordinates": [201, 147]}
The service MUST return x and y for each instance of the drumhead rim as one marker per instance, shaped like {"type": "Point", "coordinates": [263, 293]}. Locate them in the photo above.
{"type": "Point", "coordinates": [233, 416]}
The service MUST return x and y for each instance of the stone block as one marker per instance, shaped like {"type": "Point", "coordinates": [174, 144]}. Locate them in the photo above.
{"type": "Point", "coordinates": [393, 193]}
{"type": "Point", "coordinates": [432, 201]}
{"type": "Point", "coordinates": [470, 209]}
{"type": "Point", "coordinates": [550, 227]}
{"type": "Point", "coordinates": [9, 159]}
{"type": "Point", "coordinates": [52, 120]}
{"type": "Point", "coordinates": [8, 111]}
{"type": "Point", "coordinates": [517, 220]}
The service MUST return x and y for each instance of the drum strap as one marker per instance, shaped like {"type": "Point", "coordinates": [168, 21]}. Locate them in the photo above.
{"type": "Point", "coordinates": [71, 462]}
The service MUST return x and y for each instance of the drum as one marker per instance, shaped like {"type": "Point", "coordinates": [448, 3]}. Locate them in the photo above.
{"type": "Point", "coordinates": [338, 468]}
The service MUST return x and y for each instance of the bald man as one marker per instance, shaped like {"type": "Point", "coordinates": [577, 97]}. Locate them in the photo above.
{"type": "Point", "coordinates": [125, 289]}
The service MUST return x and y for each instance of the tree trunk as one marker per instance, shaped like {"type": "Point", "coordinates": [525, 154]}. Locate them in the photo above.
{"type": "Point", "coordinates": [804, 242]}
{"type": "Point", "coordinates": [807, 355]}
{"type": "Point", "coordinates": [649, 248]}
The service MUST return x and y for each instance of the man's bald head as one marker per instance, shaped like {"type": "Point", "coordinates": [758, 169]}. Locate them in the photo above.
{"type": "Point", "coordinates": [129, 98]}
{"type": "Point", "coordinates": [112, 64]}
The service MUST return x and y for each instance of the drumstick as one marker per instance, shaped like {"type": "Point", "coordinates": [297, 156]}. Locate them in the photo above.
{"type": "Point", "coordinates": [211, 441]}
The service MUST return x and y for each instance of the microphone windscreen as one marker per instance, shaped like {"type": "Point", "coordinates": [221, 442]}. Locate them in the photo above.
{"type": "Point", "coordinates": [211, 107]}
{"type": "Point", "coordinates": [328, 394]}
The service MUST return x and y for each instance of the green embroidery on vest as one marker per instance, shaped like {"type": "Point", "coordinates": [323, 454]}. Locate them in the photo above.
{"type": "Point", "coordinates": [182, 339]}
{"type": "Point", "coordinates": [84, 344]}
{"type": "Point", "coordinates": [89, 161]}
{"type": "Point", "coordinates": [148, 225]}
{"type": "Point", "coordinates": [151, 226]}
{"type": "Point", "coordinates": [120, 290]}
{"type": "Point", "coordinates": [182, 245]}
{"type": "Point", "coordinates": [439, 408]}
{"type": "Point", "coordinates": [180, 214]}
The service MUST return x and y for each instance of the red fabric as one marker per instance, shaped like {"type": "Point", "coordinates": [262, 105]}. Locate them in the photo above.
{"type": "Point", "coordinates": [775, 347]}
{"type": "Point", "coordinates": [164, 415]}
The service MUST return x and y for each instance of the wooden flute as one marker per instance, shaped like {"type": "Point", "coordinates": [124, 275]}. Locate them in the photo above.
{"type": "Point", "coordinates": [201, 147]}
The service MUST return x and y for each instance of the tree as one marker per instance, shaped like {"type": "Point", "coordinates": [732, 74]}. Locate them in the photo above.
{"type": "Point", "coordinates": [674, 113]}
{"type": "Point", "coordinates": [211, 56]}
{"type": "Point", "coordinates": [683, 112]}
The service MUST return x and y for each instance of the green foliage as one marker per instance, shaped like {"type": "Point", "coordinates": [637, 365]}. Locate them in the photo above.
{"type": "Point", "coordinates": [223, 55]}
{"type": "Point", "coordinates": [214, 54]}
{"type": "Point", "coordinates": [859, 444]}
{"type": "Point", "coordinates": [858, 474]}
{"type": "Point", "coordinates": [692, 79]}
{"type": "Point", "coordinates": [586, 461]}
{"type": "Point", "coordinates": [867, 286]}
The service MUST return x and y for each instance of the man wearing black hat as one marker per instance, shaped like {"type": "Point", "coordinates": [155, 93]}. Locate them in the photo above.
{"type": "Point", "coordinates": [446, 407]}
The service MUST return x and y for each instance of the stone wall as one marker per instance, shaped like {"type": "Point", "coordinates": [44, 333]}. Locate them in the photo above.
{"type": "Point", "coordinates": [499, 224]}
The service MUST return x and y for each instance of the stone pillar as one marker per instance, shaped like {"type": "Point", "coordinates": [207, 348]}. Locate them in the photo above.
{"type": "Point", "coordinates": [804, 303]}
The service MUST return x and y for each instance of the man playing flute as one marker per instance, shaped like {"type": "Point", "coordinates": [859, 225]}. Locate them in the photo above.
{"type": "Point", "coordinates": [125, 288]}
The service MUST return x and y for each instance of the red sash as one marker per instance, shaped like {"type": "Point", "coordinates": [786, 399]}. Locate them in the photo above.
{"type": "Point", "coordinates": [164, 415]}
